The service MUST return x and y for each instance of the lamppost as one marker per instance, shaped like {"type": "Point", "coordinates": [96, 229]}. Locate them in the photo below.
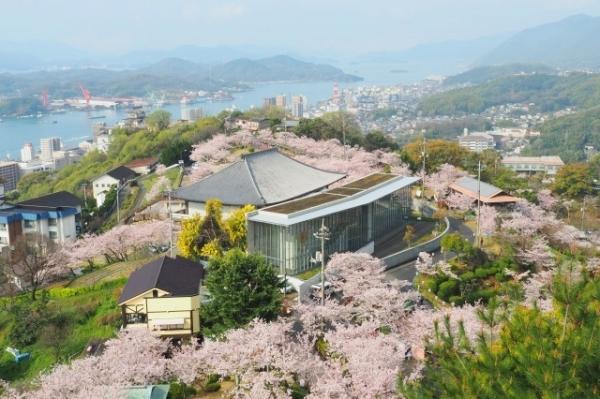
{"type": "Point", "coordinates": [322, 234]}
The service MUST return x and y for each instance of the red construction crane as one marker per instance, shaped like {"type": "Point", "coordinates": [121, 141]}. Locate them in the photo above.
{"type": "Point", "coordinates": [44, 98]}
{"type": "Point", "coordinates": [86, 94]}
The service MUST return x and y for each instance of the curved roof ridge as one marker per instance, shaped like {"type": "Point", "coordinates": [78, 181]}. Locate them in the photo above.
{"type": "Point", "coordinates": [310, 166]}
{"type": "Point", "coordinates": [253, 179]}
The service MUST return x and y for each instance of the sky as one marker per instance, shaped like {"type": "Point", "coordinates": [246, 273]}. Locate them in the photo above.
{"type": "Point", "coordinates": [319, 26]}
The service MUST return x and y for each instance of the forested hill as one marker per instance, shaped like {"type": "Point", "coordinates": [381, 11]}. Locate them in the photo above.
{"type": "Point", "coordinates": [571, 43]}
{"type": "Point", "coordinates": [486, 74]}
{"type": "Point", "coordinates": [568, 136]}
{"type": "Point", "coordinates": [548, 92]}
{"type": "Point", "coordinates": [168, 74]}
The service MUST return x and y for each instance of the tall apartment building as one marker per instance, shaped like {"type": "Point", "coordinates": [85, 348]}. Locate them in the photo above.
{"type": "Point", "coordinates": [48, 146]}
{"type": "Point", "coordinates": [270, 102]}
{"type": "Point", "coordinates": [297, 106]}
{"type": "Point", "coordinates": [9, 174]}
{"type": "Point", "coordinates": [27, 153]}
{"type": "Point", "coordinates": [191, 114]}
{"type": "Point", "coordinates": [280, 101]}
{"type": "Point", "coordinates": [477, 141]}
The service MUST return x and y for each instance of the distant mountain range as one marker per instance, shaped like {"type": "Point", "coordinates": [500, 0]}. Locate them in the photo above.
{"type": "Point", "coordinates": [167, 75]}
{"type": "Point", "coordinates": [569, 43]}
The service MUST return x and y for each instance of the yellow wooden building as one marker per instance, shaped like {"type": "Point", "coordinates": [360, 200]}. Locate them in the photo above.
{"type": "Point", "coordinates": [164, 297]}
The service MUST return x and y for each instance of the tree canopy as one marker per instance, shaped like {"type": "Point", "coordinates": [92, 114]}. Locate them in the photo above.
{"type": "Point", "coordinates": [242, 288]}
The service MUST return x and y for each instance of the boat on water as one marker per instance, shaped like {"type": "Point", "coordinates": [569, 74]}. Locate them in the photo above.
{"type": "Point", "coordinates": [96, 116]}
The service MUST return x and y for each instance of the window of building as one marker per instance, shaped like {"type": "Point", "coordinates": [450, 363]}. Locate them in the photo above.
{"type": "Point", "coordinates": [3, 227]}
{"type": "Point", "coordinates": [52, 222]}
{"type": "Point", "coordinates": [29, 224]}
{"type": "Point", "coordinates": [4, 240]}
{"type": "Point", "coordinates": [53, 235]}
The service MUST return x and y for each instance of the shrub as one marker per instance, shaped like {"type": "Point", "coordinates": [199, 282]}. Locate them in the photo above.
{"type": "Point", "coordinates": [110, 319]}
{"type": "Point", "coordinates": [447, 289]}
{"type": "Point", "coordinates": [180, 391]}
{"type": "Point", "coordinates": [430, 284]}
{"type": "Point", "coordinates": [467, 276]}
{"type": "Point", "coordinates": [457, 300]}
{"type": "Point", "coordinates": [482, 272]}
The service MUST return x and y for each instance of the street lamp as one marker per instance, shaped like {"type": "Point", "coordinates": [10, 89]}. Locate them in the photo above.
{"type": "Point", "coordinates": [322, 234]}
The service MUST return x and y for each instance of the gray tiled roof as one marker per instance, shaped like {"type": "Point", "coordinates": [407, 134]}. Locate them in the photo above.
{"type": "Point", "coordinates": [260, 178]}
{"type": "Point", "coordinates": [469, 183]}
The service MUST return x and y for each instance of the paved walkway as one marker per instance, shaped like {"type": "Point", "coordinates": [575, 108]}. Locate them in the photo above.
{"type": "Point", "coordinates": [407, 270]}
{"type": "Point", "coordinates": [395, 242]}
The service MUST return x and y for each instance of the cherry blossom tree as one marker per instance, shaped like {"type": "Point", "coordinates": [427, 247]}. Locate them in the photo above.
{"type": "Point", "coordinates": [488, 220]}
{"type": "Point", "coordinates": [117, 243]}
{"type": "Point", "coordinates": [325, 154]}
{"type": "Point", "coordinates": [439, 181]}
{"type": "Point", "coordinates": [546, 200]}
{"type": "Point", "coordinates": [459, 202]}
{"type": "Point", "coordinates": [424, 263]}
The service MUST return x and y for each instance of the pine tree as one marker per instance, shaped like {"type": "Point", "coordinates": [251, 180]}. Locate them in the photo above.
{"type": "Point", "coordinates": [532, 354]}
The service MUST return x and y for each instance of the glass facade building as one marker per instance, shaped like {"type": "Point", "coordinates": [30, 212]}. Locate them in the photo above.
{"type": "Point", "coordinates": [355, 220]}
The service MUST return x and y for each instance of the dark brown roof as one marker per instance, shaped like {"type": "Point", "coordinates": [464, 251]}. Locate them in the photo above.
{"type": "Point", "coordinates": [177, 276]}
{"type": "Point", "coordinates": [60, 199]}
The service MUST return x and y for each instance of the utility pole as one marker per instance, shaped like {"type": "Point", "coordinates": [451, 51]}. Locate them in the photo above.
{"type": "Point", "coordinates": [323, 234]}
{"type": "Point", "coordinates": [582, 214]}
{"type": "Point", "coordinates": [118, 206]}
{"type": "Point", "coordinates": [423, 158]}
{"type": "Point", "coordinates": [344, 133]}
{"type": "Point", "coordinates": [478, 203]}
{"type": "Point", "coordinates": [170, 225]}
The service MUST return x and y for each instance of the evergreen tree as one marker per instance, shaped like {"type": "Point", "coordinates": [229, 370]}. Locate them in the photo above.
{"type": "Point", "coordinates": [535, 354]}
{"type": "Point", "coordinates": [242, 287]}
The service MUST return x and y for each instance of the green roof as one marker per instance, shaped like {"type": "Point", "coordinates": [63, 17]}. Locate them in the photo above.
{"type": "Point", "coordinates": [148, 392]}
{"type": "Point", "coordinates": [347, 190]}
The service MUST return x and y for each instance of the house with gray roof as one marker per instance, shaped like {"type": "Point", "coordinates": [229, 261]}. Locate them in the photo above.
{"type": "Point", "coordinates": [261, 179]}
{"type": "Point", "coordinates": [164, 297]}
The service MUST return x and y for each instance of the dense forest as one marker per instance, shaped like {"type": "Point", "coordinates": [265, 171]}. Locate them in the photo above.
{"type": "Point", "coordinates": [547, 92]}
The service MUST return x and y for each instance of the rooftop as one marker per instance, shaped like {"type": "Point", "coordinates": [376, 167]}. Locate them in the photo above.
{"type": "Point", "coordinates": [60, 199]}
{"type": "Point", "coordinates": [488, 193]}
{"type": "Point", "coordinates": [177, 276]}
{"type": "Point", "coordinates": [544, 159]}
{"type": "Point", "coordinates": [142, 162]}
{"type": "Point", "coordinates": [358, 193]}
{"type": "Point", "coordinates": [259, 178]}
{"type": "Point", "coordinates": [121, 173]}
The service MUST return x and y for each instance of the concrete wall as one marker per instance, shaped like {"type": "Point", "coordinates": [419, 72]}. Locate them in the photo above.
{"type": "Point", "coordinates": [411, 253]}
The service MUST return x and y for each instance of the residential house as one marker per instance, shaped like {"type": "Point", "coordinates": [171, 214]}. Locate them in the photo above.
{"type": "Point", "coordinates": [143, 166]}
{"type": "Point", "coordinates": [261, 179]}
{"type": "Point", "coordinates": [113, 178]}
{"type": "Point", "coordinates": [164, 297]}
{"type": "Point", "coordinates": [253, 125]}
{"type": "Point", "coordinates": [9, 174]}
{"type": "Point", "coordinates": [487, 193]}
{"type": "Point", "coordinates": [54, 216]}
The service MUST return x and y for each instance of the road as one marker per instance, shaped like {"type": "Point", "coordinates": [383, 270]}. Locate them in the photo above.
{"type": "Point", "coordinates": [407, 271]}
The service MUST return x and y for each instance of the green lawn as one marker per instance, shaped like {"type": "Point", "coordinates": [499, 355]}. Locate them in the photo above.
{"type": "Point", "coordinates": [111, 272]}
{"type": "Point", "coordinates": [305, 275]}
{"type": "Point", "coordinates": [93, 314]}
